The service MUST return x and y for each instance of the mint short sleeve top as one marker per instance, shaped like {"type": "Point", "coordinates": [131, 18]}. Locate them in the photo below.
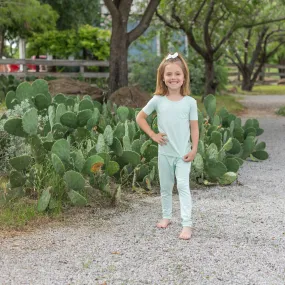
{"type": "Point", "coordinates": [173, 119]}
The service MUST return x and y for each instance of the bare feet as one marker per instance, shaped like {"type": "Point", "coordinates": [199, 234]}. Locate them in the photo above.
{"type": "Point", "coordinates": [164, 223]}
{"type": "Point", "coordinates": [186, 233]}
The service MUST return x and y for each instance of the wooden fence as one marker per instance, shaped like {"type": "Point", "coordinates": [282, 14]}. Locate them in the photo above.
{"type": "Point", "coordinates": [263, 75]}
{"type": "Point", "coordinates": [82, 64]}
{"type": "Point", "coordinates": [45, 65]}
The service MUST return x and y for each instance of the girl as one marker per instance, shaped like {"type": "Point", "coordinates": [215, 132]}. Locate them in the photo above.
{"type": "Point", "coordinates": [176, 116]}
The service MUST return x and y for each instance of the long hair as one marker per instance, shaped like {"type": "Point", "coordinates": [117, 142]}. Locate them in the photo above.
{"type": "Point", "coordinates": [161, 88]}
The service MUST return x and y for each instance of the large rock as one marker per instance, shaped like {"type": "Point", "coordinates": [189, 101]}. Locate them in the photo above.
{"type": "Point", "coordinates": [130, 96]}
{"type": "Point", "coordinates": [68, 86]}
{"type": "Point", "coordinates": [281, 82]}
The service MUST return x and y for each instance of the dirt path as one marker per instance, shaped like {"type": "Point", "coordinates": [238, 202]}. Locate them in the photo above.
{"type": "Point", "coordinates": [259, 106]}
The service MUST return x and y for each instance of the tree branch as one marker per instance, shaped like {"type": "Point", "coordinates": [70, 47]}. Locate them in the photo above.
{"type": "Point", "coordinates": [145, 21]}
{"type": "Point", "coordinates": [258, 48]}
{"type": "Point", "coordinates": [189, 32]}
{"type": "Point", "coordinates": [260, 23]}
{"type": "Point", "coordinates": [238, 58]}
{"type": "Point", "coordinates": [246, 44]}
{"type": "Point", "coordinates": [233, 61]}
{"type": "Point", "coordinates": [199, 11]}
{"type": "Point", "coordinates": [224, 39]}
{"type": "Point", "coordinates": [166, 22]}
{"type": "Point", "coordinates": [216, 22]}
{"type": "Point", "coordinates": [207, 38]}
{"type": "Point", "coordinates": [274, 50]}
{"type": "Point", "coordinates": [111, 7]}
{"type": "Point", "coordinates": [177, 18]}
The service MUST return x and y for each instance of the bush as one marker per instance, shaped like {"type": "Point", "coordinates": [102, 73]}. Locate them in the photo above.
{"type": "Point", "coordinates": [281, 111]}
{"type": "Point", "coordinates": [11, 146]}
{"type": "Point", "coordinates": [221, 76]}
{"type": "Point", "coordinates": [143, 72]}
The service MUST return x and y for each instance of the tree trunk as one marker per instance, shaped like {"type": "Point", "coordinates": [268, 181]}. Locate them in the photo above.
{"type": "Point", "coordinates": [2, 42]}
{"type": "Point", "coordinates": [247, 83]}
{"type": "Point", "coordinates": [118, 56]}
{"type": "Point", "coordinates": [281, 70]}
{"type": "Point", "coordinates": [210, 84]}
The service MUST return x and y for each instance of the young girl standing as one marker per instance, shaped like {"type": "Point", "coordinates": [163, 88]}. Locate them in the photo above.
{"type": "Point", "coordinates": [177, 118]}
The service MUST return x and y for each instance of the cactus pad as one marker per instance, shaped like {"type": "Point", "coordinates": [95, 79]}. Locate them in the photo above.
{"type": "Point", "coordinates": [112, 168]}
{"type": "Point", "coordinates": [57, 164]}
{"type": "Point", "coordinates": [83, 117]}
{"type": "Point", "coordinates": [44, 200]}
{"type": "Point", "coordinates": [123, 113]}
{"type": "Point", "coordinates": [17, 179]}
{"type": "Point", "coordinates": [87, 168]}
{"type": "Point", "coordinates": [74, 180]}
{"type": "Point", "coordinates": [69, 119]}
{"type": "Point", "coordinates": [14, 127]}
{"type": "Point", "coordinates": [30, 121]}
{"type": "Point", "coordinates": [260, 154]}
{"type": "Point", "coordinates": [21, 162]}
{"type": "Point", "coordinates": [76, 198]}
{"type": "Point", "coordinates": [62, 149]}
{"type": "Point", "coordinates": [86, 104]}
{"type": "Point", "coordinates": [228, 178]}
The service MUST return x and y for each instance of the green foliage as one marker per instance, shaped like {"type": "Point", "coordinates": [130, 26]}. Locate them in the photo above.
{"type": "Point", "coordinates": [281, 111]}
{"type": "Point", "coordinates": [24, 17]}
{"type": "Point", "coordinates": [8, 84]}
{"type": "Point", "coordinates": [71, 42]}
{"type": "Point", "coordinates": [83, 12]}
{"type": "Point", "coordinates": [143, 72]}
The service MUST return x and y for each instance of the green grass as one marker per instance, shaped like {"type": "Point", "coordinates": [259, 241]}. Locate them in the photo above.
{"type": "Point", "coordinates": [16, 215]}
{"type": "Point", "coordinates": [262, 90]}
{"type": "Point", "coordinates": [227, 101]}
{"type": "Point", "coordinates": [19, 214]}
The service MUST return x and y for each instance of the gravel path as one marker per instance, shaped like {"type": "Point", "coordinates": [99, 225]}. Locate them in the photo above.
{"type": "Point", "coordinates": [261, 106]}
{"type": "Point", "coordinates": [239, 237]}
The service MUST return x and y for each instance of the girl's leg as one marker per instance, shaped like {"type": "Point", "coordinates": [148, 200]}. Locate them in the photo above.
{"type": "Point", "coordinates": [182, 173]}
{"type": "Point", "coordinates": [166, 180]}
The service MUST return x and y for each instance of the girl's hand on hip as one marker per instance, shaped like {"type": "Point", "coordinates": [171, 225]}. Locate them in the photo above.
{"type": "Point", "coordinates": [189, 156]}
{"type": "Point", "coordinates": [159, 138]}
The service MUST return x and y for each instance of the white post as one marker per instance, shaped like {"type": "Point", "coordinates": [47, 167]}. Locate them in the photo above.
{"type": "Point", "coordinates": [158, 48]}
{"type": "Point", "coordinates": [22, 52]}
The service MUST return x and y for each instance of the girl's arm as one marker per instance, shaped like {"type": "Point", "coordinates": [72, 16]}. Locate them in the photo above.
{"type": "Point", "coordinates": [141, 121]}
{"type": "Point", "coordinates": [194, 129]}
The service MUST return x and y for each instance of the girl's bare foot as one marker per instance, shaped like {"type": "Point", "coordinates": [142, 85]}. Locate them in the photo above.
{"type": "Point", "coordinates": [186, 233]}
{"type": "Point", "coordinates": [163, 223]}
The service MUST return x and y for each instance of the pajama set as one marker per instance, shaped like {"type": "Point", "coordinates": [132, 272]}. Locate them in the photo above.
{"type": "Point", "coordinates": [173, 119]}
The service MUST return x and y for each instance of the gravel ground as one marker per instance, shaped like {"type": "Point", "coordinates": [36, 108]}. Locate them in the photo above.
{"type": "Point", "coordinates": [239, 237]}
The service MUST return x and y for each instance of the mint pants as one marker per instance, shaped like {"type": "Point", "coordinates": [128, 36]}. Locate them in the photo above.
{"type": "Point", "coordinates": [170, 167]}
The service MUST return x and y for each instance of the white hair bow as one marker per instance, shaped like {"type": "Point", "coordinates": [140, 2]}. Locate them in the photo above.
{"type": "Point", "coordinates": [172, 55]}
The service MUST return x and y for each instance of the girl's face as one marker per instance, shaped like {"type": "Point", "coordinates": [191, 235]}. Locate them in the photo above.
{"type": "Point", "coordinates": [173, 76]}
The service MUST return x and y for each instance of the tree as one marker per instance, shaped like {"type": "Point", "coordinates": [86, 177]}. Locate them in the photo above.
{"type": "Point", "coordinates": [279, 58]}
{"type": "Point", "coordinates": [74, 13]}
{"type": "Point", "coordinates": [23, 17]}
{"type": "Point", "coordinates": [122, 38]}
{"type": "Point", "coordinates": [209, 24]}
{"type": "Point", "coordinates": [259, 45]}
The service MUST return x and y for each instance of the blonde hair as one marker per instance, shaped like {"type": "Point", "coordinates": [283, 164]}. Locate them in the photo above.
{"type": "Point", "coordinates": [161, 88]}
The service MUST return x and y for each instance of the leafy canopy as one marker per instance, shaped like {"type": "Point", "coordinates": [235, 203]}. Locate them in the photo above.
{"type": "Point", "coordinates": [24, 17]}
